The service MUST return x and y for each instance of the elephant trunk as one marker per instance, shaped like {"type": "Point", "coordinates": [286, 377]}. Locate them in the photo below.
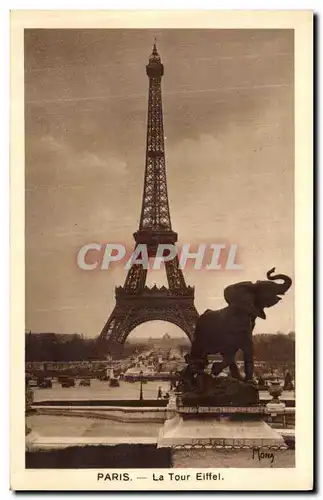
{"type": "Point", "coordinates": [287, 281]}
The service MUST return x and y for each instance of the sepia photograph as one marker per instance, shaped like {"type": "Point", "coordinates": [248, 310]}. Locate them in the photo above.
{"type": "Point", "coordinates": [160, 273]}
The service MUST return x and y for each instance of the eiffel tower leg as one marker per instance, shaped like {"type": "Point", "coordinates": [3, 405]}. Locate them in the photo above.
{"type": "Point", "coordinates": [113, 329]}
{"type": "Point", "coordinates": [175, 276]}
{"type": "Point", "coordinates": [189, 317]}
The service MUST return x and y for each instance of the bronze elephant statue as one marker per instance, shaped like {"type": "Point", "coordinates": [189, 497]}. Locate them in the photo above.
{"type": "Point", "coordinates": [229, 330]}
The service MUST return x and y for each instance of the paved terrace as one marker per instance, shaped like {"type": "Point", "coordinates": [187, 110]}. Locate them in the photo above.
{"type": "Point", "coordinates": [127, 390]}
{"type": "Point", "coordinates": [49, 432]}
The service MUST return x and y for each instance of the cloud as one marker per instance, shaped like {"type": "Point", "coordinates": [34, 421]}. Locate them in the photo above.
{"type": "Point", "coordinates": [54, 162]}
{"type": "Point", "coordinates": [111, 165]}
{"type": "Point", "coordinates": [50, 144]}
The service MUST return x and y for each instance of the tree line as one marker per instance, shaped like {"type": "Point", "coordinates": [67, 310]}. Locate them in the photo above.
{"type": "Point", "coordinates": [55, 347]}
{"type": "Point", "coordinates": [271, 348]}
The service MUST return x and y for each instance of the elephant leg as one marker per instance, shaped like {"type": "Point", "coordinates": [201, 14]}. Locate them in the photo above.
{"type": "Point", "coordinates": [248, 361]}
{"type": "Point", "coordinates": [234, 371]}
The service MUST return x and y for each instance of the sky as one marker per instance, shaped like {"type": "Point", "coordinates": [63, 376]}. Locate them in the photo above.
{"type": "Point", "coordinates": [228, 105]}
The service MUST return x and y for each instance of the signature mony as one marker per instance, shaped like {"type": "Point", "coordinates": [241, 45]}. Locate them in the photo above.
{"type": "Point", "coordinates": [261, 455]}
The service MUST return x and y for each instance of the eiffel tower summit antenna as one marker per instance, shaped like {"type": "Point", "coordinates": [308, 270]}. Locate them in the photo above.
{"type": "Point", "coordinates": [136, 303]}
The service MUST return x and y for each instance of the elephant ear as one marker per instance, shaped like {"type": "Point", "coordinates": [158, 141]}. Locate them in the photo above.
{"type": "Point", "coordinates": [236, 292]}
{"type": "Point", "coordinates": [242, 296]}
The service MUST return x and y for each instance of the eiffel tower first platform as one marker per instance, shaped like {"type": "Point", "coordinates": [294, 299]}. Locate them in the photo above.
{"type": "Point", "coordinates": [136, 303]}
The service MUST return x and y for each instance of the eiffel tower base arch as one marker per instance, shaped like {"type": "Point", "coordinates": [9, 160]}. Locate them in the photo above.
{"type": "Point", "coordinates": [155, 304]}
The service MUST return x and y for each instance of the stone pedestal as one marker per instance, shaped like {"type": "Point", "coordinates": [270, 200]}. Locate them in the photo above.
{"type": "Point", "coordinates": [221, 428]}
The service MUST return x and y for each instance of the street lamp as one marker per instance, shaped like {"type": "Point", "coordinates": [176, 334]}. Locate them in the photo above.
{"type": "Point", "coordinates": [141, 397]}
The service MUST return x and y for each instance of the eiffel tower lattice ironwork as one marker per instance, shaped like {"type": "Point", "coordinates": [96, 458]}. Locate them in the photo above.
{"type": "Point", "coordinates": [136, 303]}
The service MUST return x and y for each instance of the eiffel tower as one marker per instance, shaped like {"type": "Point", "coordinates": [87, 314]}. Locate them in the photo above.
{"type": "Point", "coordinates": [136, 303]}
